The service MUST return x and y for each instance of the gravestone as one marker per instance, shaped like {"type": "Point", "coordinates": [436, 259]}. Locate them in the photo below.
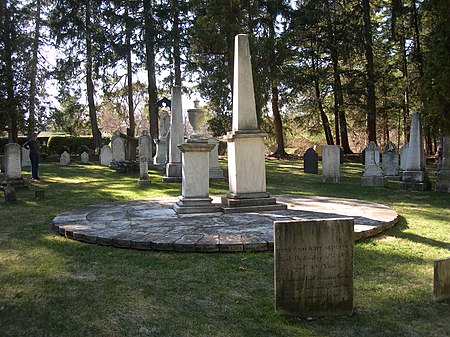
{"type": "Point", "coordinates": [145, 145]}
{"type": "Point", "coordinates": [84, 158]}
{"type": "Point", "coordinates": [143, 170]}
{"type": "Point", "coordinates": [314, 267]}
{"type": "Point", "coordinates": [373, 175]}
{"type": "Point", "coordinates": [415, 175]}
{"type": "Point", "coordinates": [118, 147]}
{"type": "Point", "coordinates": [10, 193]}
{"type": "Point", "coordinates": [442, 280]}
{"type": "Point", "coordinates": [369, 155]}
{"type": "Point", "coordinates": [331, 163]}
{"type": "Point", "coordinates": [443, 175]}
{"type": "Point", "coordinates": [404, 155]}
{"type": "Point", "coordinates": [390, 162]}
{"type": "Point", "coordinates": [64, 159]}
{"type": "Point", "coordinates": [215, 172]}
{"type": "Point", "coordinates": [161, 142]}
{"type": "Point", "coordinates": [245, 142]}
{"type": "Point", "coordinates": [173, 166]}
{"type": "Point", "coordinates": [105, 155]}
{"type": "Point", "coordinates": [311, 162]}
{"type": "Point", "coordinates": [26, 161]}
{"type": "Point", "coordinates": [13, 166]}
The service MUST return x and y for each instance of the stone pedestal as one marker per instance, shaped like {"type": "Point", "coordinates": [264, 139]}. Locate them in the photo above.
{"type": "Point", "coordinates": [145, 145]}
{"type": "Point", "coordinates": [443, 175]}
{"type": "Point", "coordinates": [246, 149]}
{"type": "Point", "coordinates": [195, 179]}
{"type": "Point", "coordinates": [173, 166]}
{"type": "Point", "coordinates": [415, 175]}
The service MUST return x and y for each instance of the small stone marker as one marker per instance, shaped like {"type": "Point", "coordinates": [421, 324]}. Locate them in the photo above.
{"type": "Point", "coordinates": [443, 175]}
{"type": "Point", "coordinates": [331, 163]}
{"type": "Point", "coordinates": [314, 267]}
{"type": "Point", "coordinates": [26, 161]}
{"type": "Point", "coordinates": [10, 193]}
{"type": "Point", "coordinates": [105, 155]}
{"type": "Point", "coordinates": [404, 155]}
{"type": "Point", "coordinates": [373, 175]}
{"type": "Point", "coordinates": [143, 171]}
{"type": "Point", "coordinates": [390, 161]}
{"type": "Point", "coordinates": [39, 194]}
{"type": "Point", "coordinates": [13, 166]}
{"type": "Point", "coordinates": [215, 172]}
{"type": "Point", "coordinates": [145, 145]}
{"type": "Point", "coordinates": [84, 158]}
{"type": "Point", "coordinates": [118, 147]}
{"type": "Point", "coordinates": [442, 280]}
{"type": "Point", "coordinates": [64, 159]}
{"type": "Point", "coordinates": [311, 162]}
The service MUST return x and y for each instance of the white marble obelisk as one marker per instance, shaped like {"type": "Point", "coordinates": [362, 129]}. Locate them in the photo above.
{"type": "Point", "coordinates": [173, 166]}
{"type": "Point", "coordinates": [415, 176]}
{"type": "Point", "coordinates": [246, 149]}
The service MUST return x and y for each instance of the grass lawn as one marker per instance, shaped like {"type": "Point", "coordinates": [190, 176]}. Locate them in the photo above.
{"type": "Point", "coordinates": [53, 286]}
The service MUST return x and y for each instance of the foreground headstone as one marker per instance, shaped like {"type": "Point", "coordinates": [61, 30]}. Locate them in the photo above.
{"type": "Point", "coordinates": [246, 149]}
{"type": "Point", "coordinates": [173, 166]}
{"type": "Point", "coordinates": [10, 193]}
{"type": "Point", "coordinates": [314, 267]}
{"type": "Point", "coordinates": [311, 162]}
{"type": "Point", "coordinates": [26, 161]}
{"type": "Point", "coordinates": [118, 147]}
{"type": "Point", "coordinates": [64, 159]}
{"type": "Point", "coordinates": [415, 175]}
{"type": "Point", "coordinates": [390, 161]}
{"type": "Point", "coordinates": [443, 175]}
{"type": "Point", "coordinates": [331, 163]}
{"type": "Point", "coordinates": [13, 166]}
{"type": "Point", "coordinates": [84, 158]}
{"type": "Point", "coordinates": [105, 155]}
{"type": "Point", "coordinates": [373, 175]}
{"type": "Point", "coordinates": [442, 280]}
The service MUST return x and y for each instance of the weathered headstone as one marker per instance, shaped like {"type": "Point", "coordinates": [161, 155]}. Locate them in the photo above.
{"type": "Point", "coordinates": [442, 280]}
{"type": "Point", "coordinates": [10, 193]}
{"type": "Point", "coordinates": [173, 166]}
{"type": "Point", "coordinates": [118, 147]}
{"type": "Point", "coordinates": [145, 145]}
{"type": "Point", "coordinates": [415, 175]}
{"type": "Point", "coordinates": [84, 158]}
{"type": "Point", "coordinates": [331, 163]}
{"type": "Point", "coordinates": [311, 162]}
{"type": "Point", "coordinates": [143, 170]}
{"type": "Point", "coordinates": [373, 175]}
{"type": "Point", "coordinates": [105, 155]}
{"type": "Point", "coordinates": [443, 175]}
{"type": "Point", "coordinates": [64, 159]}
{"type": "Point", "coordinates": [404, 155]}
{"type": "Point", "coordinates": [390, 162]}
{"type": "Point", "coordinates": [161, 142]}
{"type": "Point", "coordinates": [13, 166]}
{"type": "Point", "coordinates": [314, 267]}
{"type": "Point", "coordinates": [245, 142]}
{"type": "Point", "coordinates": [215, 172]}
{"type": "Point", "coordinates": [26, 161]}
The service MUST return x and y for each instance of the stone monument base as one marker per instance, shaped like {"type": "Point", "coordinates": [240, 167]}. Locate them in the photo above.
{"type": "Point", "coordinates": [416, 180]}
{"type": "Point", "coordinates": [249, 202]}
{"type": "Point", "coordinates": [443, 181]}
{"type": "Point", "coordinates": [195, 205]}
{"type": "Point", "coordinates": [173, 173]}
{"type": "Point", "coordinates": [374, 181]}
{"type": "Point", "coordinates": [144, 181]}
{"type": "Point", "coordinates": [216, 173]}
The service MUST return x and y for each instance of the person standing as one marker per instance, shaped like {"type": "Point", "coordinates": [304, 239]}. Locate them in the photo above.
{"type": "Point", "coordinates": [34, 146]}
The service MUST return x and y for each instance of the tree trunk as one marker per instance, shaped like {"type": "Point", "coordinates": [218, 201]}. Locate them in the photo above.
{"type": "Point", "coordinates": [405, 88]}
{"type": "Point", "coordinates": [131, 130]}
{"type": "Point", "coordinates": [96, 134]}
{"type": "Point", "coordinates": [33, 69]}
{"type": "Point", "coordinates": [277, 122]}
{"type": "Point", "coordinates": [176, 42]}
{"type": "Point", "coordinates": [416, 38]}
{"type": "Point", "coordinates": [151, 69]}
{"type": "Point", "coordinates": [11, 107]}
{"type": "Point", "coordinates": [370, 75]}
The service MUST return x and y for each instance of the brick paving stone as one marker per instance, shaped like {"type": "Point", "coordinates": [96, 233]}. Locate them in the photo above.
{"type": "Point", "coordinates": [152, 224]}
